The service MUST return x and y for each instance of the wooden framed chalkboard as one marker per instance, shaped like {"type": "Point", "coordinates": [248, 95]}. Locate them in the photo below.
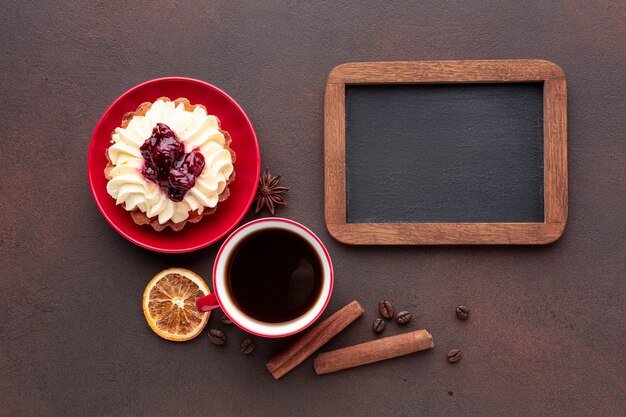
{"type": "Point", "coordinates": [446, 152]}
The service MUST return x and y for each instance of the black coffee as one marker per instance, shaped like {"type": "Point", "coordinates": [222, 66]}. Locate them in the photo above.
{"type": "Point", "coordinates": [274, 275]}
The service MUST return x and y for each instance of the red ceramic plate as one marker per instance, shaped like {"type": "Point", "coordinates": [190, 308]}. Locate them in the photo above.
{"type": "Point", "coordinates": [228, 214]}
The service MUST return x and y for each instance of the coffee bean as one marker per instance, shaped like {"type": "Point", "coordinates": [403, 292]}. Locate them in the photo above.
{"type": "Point", "coordinates": [403, 317]}
{"type": "Point", "coordinates": [226, 320]}
{"type": "Point", "coordinates": [247, 346]}
{"type": "Point", "coordinates": [379, 325]}
{"type": "Point", "coordinates": [462, 312]}
{"type": "Point", "coordinates": [217, 337]}
{"type": "Point", "coordinates": [386, 309]}
{"type": "Point", "coordinates": [454, 355]}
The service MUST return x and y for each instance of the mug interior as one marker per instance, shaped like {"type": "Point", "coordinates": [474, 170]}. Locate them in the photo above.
{"type": "Point", "coordinates": [220, 279]}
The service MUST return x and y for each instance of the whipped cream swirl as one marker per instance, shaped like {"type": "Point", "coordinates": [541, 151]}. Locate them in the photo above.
{"type": "Point", "coordinates": [197, 130]}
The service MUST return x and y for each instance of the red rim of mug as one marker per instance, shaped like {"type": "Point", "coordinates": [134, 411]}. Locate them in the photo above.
{"type": "Point", "coordinates": [306, 230]}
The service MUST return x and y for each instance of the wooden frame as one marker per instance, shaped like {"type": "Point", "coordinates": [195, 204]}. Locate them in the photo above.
{"type": "Point", "coordinates": [447, 72]}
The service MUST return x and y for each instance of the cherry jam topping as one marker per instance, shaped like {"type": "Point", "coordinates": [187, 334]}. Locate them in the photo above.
{"type": "Point", "coordinates": [167, 164]}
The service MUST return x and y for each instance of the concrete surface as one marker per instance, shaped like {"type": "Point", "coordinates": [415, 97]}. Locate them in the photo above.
{"type": "Point", "coordinates": [546, 333]}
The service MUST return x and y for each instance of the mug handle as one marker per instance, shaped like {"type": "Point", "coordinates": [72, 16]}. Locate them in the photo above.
{"type": "Point", "coordinates": [207, 303]}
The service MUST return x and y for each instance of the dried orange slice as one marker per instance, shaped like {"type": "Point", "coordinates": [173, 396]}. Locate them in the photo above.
{"type": "Point", "coordinates": [169, 304]}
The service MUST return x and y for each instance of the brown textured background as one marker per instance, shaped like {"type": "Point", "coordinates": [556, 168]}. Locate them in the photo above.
{"type": "Point", "coordinates": [546, 332]}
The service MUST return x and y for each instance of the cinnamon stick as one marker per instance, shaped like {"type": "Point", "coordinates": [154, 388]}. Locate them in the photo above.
{"type": "Point", "coordinates": [311, 341]}
{"type": "Point", "coordinates": [377, 350]}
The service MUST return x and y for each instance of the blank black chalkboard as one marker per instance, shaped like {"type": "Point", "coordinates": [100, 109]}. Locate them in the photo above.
{"type": "Point", "coordinates": [427, 153]}
{"type": "Point", "coordinates": [446, 152]}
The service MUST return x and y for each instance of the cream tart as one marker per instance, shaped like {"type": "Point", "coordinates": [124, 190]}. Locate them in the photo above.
{"type": "Point", "coordinates": [169, 163]}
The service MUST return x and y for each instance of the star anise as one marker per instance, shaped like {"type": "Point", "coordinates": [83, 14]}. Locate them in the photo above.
{"type": "Point", "coordinates": [268, 193]}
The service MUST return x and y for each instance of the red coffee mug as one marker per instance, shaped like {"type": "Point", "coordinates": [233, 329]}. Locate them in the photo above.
{"type": "Point", "coordinates": [222, 298]}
